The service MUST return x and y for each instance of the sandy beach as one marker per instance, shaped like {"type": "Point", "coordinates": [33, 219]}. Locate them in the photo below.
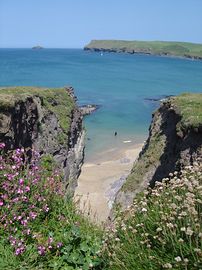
{"type": "Point", "coordinates": [102, 177]}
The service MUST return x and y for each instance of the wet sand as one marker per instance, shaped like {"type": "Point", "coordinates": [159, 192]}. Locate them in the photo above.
{"type": "Point", "coordinates": [102, 177]}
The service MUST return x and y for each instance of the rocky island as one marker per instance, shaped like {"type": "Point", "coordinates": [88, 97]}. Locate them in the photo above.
{"type": "Point", "coordinates": [162, 48]}
{"type": "Point", "coordinates": [37, 47]}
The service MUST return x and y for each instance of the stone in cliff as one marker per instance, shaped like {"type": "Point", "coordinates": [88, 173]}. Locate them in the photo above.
{"type": "Point", "coordinates": [47, 120]}
{"type": "Point", "coordinates": [175, 140]}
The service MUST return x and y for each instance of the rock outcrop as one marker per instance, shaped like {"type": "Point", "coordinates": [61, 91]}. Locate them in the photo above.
{"type": "Point", "coordinates": [88, 109]}
{"type": "Point", "coordinates": [47, 120]}
{"type": "Point", "coordinates": [175, 141]}
{"type": "Point", "coordinates": [37, 47]}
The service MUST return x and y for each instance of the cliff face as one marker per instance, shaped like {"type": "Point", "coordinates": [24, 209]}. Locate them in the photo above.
{"type": "Point", "coordinates": [47, 120]}
{"type": "Point", "coordinates": [175, 140]}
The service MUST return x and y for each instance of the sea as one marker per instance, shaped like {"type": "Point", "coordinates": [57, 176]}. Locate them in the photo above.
{"type": "Point", "coordinates": [126, 87]}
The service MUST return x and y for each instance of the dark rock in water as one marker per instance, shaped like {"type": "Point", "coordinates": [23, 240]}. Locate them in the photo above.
{"type": "Point", "coordinates": [156, 99]}
{"type": "Point", "coordinates": [88, 109]}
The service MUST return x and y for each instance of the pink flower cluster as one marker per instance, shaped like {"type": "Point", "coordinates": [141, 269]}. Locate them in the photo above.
{"type": "Point", "coordinates": [25, 196]}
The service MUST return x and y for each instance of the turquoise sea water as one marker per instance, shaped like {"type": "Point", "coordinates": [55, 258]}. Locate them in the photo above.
{"type": "Point", "coordinates": [118, 82]}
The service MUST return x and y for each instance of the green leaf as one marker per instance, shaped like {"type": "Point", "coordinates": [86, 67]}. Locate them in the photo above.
{"type": "Point", "coordinates": [84, 247]}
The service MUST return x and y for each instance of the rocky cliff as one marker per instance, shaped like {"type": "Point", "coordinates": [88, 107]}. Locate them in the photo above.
{"type": "Point", "coordinates": [47, 120]}
{"type": "Point", "coordinates": [175, 140]}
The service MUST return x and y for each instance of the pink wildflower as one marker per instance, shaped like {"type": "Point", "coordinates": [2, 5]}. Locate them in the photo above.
{"type": "Point", "coordinates": [19, 250]}
{"type": "Point", "coordinates": [27, 189]}
{"type": "Point", "coordinates": [59, 244]}
{"type": "Point", "coordinates": [33, 215]}
{"type": "Point", "coordinates": [21, 181]}
{"type": "Point", "coordinates": [41, 250]}
{"type": "Point", "coordinates": [50, 240]}
{"type": "Point", "coordinates": [2, 145]}
{"type": "Point", "coordinates": [19, 191]}
{"type": "Point", "coordinates": [28, 231]}
{"type": "Point", "coordinates": [46, 208]}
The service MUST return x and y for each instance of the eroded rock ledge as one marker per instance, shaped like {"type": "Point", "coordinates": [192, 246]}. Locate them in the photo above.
{"type": "Point", "coordinates": [47, 120]}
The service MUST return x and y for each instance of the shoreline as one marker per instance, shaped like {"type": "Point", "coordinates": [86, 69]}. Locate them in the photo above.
{"type": "Point", "coordinates": [101, 178]}
{"type": "Point", "coordinates": [183, 57]}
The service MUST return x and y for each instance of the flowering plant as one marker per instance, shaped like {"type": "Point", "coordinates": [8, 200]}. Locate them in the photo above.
{"type": "Point", "coordinates": [163, 228]}
{"type": "Point", "coordinates": [38, 227]}
{"type": "Point", "coordinates": [25, 198]}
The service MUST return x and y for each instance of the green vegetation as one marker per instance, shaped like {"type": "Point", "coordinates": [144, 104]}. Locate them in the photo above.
{"type": "Point", "coordinates": [146, 162]}
{"type": "Point", "coordinates": [189, 106]}
{"type": "Point", "coordinates": [48, 162]}
{"type": "Point", "coordinates": [39, 229]}
{"type": "Point", "coordinates": [55, 100]}
{"type": "Point", "coordinates": [163, 227]}
{"type": "Point", "coordinates": [184, 49]}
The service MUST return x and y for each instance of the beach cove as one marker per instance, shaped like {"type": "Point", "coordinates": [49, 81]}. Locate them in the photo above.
{"type": "Point", "coordinates": [102, 177]}
{"type": "Point", "coordinates": [123, 86]}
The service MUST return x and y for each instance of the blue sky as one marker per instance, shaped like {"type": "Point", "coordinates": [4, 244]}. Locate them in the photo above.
{"type": "Point", "coordinates": [73, 23]}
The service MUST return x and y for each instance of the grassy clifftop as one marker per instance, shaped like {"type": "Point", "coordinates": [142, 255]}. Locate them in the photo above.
{"type": "Point", "coordinates": [56, 100]}
{"type": "Point", "coordinates": [184, 49]}
{"type": "Point", "coordinates": [189, 107]}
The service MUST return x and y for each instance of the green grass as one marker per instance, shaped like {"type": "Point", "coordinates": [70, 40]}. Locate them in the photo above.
{"type": "Point", "coordinates": [153, 47]}
{"type": "Point", "coordinates": [189, 106]}
{"type": "Point", "coordinates": [81, 242]}
{"type": "Point", "coordinates": [145, 163]}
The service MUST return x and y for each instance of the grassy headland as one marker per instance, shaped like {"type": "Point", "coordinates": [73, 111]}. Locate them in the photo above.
{"type": "Point", "coordinates": [182, 49]}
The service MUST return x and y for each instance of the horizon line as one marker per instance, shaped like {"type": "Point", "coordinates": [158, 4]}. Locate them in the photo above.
{"type": "Point", "coordinates": [31, 48]}
{"type": "Point", "coordinates": [94, 39]}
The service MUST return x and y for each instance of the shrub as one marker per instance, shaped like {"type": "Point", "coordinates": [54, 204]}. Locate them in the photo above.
{"type": "Point", "coordinates": [162, 229]}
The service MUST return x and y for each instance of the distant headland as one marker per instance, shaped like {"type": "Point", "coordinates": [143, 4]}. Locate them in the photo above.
{"type": "Point", "coordinates": [38, 47]}
{"type": "Point", "coordinates": [162, 48]}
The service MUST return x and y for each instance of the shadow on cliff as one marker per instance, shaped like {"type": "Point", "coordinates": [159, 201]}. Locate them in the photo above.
{"type": "Point", "coordinates": [180, 150]}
